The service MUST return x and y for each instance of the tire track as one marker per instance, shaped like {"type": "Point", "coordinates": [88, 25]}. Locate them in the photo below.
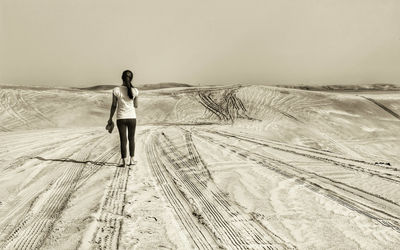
{"type": "Point", "coordinates": [111, 212]}
{"type": "Point", "coordinates": [29, 106]}
{"type": "Point", "coordinates": [226, 105]}
{"type": "Point", "coordinates": [219, 198]}
{"type": "Point", "coordinates": [195, 156]}
{"type": "Point", "coordinates": [238, 150]}
{"type": "Point", "coordinates": [229, 235]}
{"type": "Point", "coordinates": [42, 149]}
{"type": "Point", "coordinates": [26, 141]}
{"type": "Point", "coordinates": [297, 147]}
{"type": "Point", "coordinates": [197, 233]}
{"type": "Point", "coordinates": [394, 114]}
{"type": "Point", "coordinates": [17, 116]}
{"type": "Point", "coordinates": [28, 192]}
{"type": "Point", "coordinates": [34, 227]}
{"type": "Point", "coordinates": [21, 113]}
{"type": "Point", "coordinates": [210, 105]}
{"type": "Point", "coordinates": [232, 227]}
{"type": "Point", "coordinates": [390, 173]}
{"type": "Point", "coordinates": [93, 167]}
{"type": "Point", "coordinates": [36, 137]}
{"type": "Point", "coordinates": [61, 226]}
{"type": "Point", "coordinates": [373, 206]}
{"type": "Point", "coordinates": [5, 105]}
{"type": "Point", "coordinates": [4, 129]}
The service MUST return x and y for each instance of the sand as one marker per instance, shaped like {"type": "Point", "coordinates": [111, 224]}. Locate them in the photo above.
{"type": "Point", "coordinates": [233, 167]}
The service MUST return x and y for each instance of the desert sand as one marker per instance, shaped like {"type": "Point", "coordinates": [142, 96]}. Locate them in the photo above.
{"type": "Point", "coordinates": [229, 167]}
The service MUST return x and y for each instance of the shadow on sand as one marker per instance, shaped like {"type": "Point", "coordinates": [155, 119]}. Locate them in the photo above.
{"type": "Point", "coordinates": [76, 161]}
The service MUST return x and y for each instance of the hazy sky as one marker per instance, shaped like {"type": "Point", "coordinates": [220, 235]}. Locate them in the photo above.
{"type": "Point", "coordinates": [86, 42]}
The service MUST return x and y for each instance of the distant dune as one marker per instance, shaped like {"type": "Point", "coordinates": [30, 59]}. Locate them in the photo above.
{"type": "Point", "coordinates": [98, 87]}
{"type": "Point", "coordinates": [32, 87]}
{"type": "Point", "coordinates": [367, 87]}
{"type": "Point", "coordinates": [141, 86]}
{"type": "Point", "coordinates": [163, 85]}
{"type": "Point", "coordinates": [153, 86]}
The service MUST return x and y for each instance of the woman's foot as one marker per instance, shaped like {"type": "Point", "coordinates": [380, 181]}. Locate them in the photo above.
{"type": "Point", "coordinates": [124, 163]}
{"type": "Point", "coordinates": [132, 161]}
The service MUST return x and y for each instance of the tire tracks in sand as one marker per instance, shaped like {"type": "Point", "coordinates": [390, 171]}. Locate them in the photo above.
{"type": "Point", "coordinates": [33, 228]}
{"type": "Point", "coordinates": [197, 233]}
{"type": "Point", "coordinates": [185, 172]}
{"type": "Point", "coordinates": [109, 217]}
{"type": "Point", "coordinates": [385, 172]}
{"type": "Point", "coordinates": [388, 110]}
{"type": "Point", "coordinates": [32, 187]}
{"type": "Point", "coordinates": [375, 207]}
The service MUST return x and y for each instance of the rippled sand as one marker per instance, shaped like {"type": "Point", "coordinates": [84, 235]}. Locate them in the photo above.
{"type": "Point", "coordinates": [230, 167]}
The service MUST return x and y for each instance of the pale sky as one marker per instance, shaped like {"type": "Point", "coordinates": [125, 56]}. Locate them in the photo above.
{"type": "Point", "coordinates": [87, 42]}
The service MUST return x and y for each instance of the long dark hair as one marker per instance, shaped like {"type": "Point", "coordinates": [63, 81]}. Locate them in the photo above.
{"type": "Point", "coordinates": [124, 75]}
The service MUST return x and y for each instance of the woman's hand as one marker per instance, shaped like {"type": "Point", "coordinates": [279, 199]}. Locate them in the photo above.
{"type": "Point", "coordinates": [110, 125]}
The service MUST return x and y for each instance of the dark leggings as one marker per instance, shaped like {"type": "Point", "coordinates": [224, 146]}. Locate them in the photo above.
{"type": "Point", "coordinates": [131, 125]}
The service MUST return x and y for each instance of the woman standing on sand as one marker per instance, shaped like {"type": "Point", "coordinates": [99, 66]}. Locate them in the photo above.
{"type": "Point", "coordinates": [125, 101]}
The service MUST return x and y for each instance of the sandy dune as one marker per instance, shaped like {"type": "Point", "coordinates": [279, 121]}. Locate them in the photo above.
{"type": "Point", "coordinates": [234, 167]}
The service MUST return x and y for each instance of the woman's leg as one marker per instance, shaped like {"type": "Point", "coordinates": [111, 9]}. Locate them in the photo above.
{"type": "Point", "coordinates": [121, 124]}
{"type": "Point", "coordinates": [131, 136]}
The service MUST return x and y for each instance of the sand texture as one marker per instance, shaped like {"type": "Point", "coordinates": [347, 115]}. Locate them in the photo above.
{"type": "Point", "coordinates": [232, 167]}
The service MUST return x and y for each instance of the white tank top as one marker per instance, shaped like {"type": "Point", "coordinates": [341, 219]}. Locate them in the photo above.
{"type": "Point", "coordinates": [125, 108]}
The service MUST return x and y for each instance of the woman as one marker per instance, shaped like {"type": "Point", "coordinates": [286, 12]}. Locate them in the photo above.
{"type": "Point", "coordinates": [125, 101]}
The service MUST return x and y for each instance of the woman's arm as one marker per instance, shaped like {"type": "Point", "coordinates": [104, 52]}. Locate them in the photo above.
{"type": "Point", "coordinates": [135, 100]}
{"type": "Point", "coordinates": [113, 107]}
